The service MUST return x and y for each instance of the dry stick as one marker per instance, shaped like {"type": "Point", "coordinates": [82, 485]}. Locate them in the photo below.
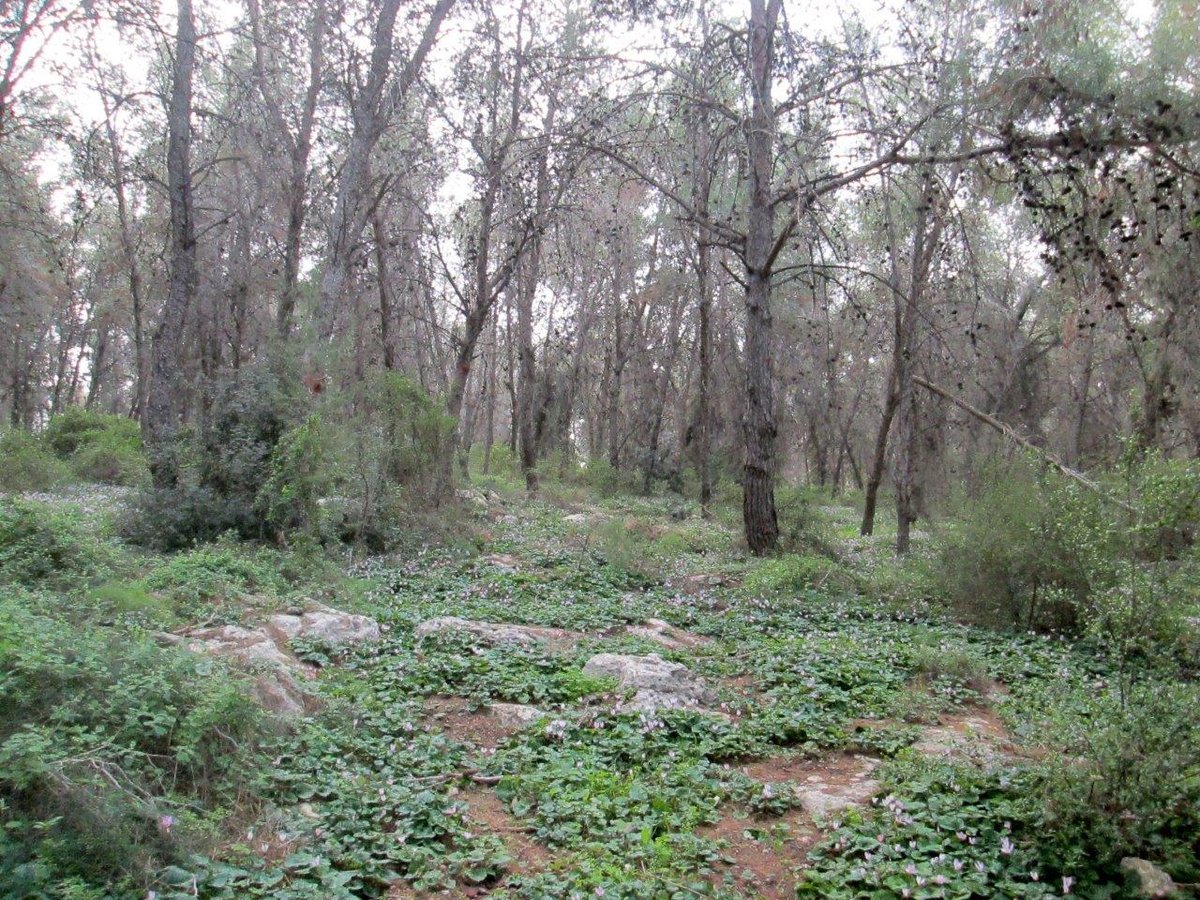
{"type": "Point", "coordinates": [1012, 435]}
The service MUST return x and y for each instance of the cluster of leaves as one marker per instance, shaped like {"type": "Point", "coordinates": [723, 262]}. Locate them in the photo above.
{"type": "Point", "coordinates": [942, 830]}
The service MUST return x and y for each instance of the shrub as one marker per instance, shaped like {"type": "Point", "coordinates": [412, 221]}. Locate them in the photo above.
{"type": "Point", "coordinates": [601, 477]}
{"type": "Point", "coordinates": [217, 573]}
{"type": "Point", "coordinates": [802, 527]}
{"type": "Point", "coordinates": [1037, 550]}
{"type": "Point", "coordinates": [391, 459]}
{"type": "Point", "coordinates": [26, 464]}
{"type": "Point", "coordinates": [219, 467]}
{"type": "Point", "coordinates": [106, 744]}
{"type": "Point", "coordinates": [300, 475]}
{"type": "Point", "coordinates": [791, 574]}
{"type": "Point", "coordinates": [1134, 788]}
{"type": "Point", "coordinates": [40, 543]}
{"type": "Point", "coordinates": [1018, 555]}
{"type": "Point", "coordinates": [98, 447]}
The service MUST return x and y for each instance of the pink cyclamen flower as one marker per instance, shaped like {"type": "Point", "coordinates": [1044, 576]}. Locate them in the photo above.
{"type": "Point", "coordinates": [165, 823]}
{"type": "Point", "coordinates": [1068, 883]}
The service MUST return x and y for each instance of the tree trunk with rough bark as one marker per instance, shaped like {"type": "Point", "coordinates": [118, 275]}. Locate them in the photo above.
{"type": "Point", "coordinates": [164, 400]}
{"type": "Point", "coordinates": [758, 423]}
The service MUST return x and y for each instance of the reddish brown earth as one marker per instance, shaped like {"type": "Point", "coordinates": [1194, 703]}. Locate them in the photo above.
{"type": "Point", "coordinates": [454, 716]}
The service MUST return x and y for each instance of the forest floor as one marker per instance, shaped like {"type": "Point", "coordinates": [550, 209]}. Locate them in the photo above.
{"type": "Point", "coordinates": [815, 736]}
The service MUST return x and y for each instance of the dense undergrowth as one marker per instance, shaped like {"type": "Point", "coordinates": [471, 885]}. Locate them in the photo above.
{"type": "Point", "coordinates": [127, 766]}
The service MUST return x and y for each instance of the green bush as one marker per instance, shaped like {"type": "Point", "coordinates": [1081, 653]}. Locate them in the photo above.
{"type": "Point", "coordinates": [99, 447]}
{"type": "Point", "coordinates": [791, 574]}
{"type": "Point", "coordinates": [216, 573]}
{"type": "Point", "coordinates": [1133, 787]}
{"type": "Point", "coordinates": [26, 464]}
{"type": "Point", "coordinates": [1037, 550]}
{"type": "Point", "coordinates": [300, 475]}
{"type": "Point", "coordinates": [40, 543]}
{"type": "Point", "coordinates": [1018, 554]}
{"type": "Point", "coordinates": [802, 527]}
{"type": "Point", "coordinates": [391, 456]}
{"type": "Point", "coordinates": [219, 467]}
{"type": "Point", "coordinates": [601, 477]}
{"type": "Point", "coordinates": [108, 746]}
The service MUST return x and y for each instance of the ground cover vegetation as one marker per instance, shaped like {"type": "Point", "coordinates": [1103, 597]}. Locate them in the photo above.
{"type": "Point", "coordinates": [130, 766]}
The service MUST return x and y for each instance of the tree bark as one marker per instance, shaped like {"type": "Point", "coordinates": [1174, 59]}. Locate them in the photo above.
{"type": "Point", "coordinates": [758, 424]}
{"type": "Point", "coordinates": [164, 400]}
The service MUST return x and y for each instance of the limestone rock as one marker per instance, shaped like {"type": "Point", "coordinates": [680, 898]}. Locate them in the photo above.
{"type": "Point", "coordinates": [502, 561]}
{"type": "Point", "coordinates": [277, 677]}
{"type": "Point", "coordinates": [656, 683]}
{"type": "Point", "coordinates": [700, 582]}
{"type": "Point", "coordinates": [275, 674]}
{"type": "Point", "coordinates": [1151, 880]}
{"type": "Point", "coordinates": [667, 635]}
{"type": "Point", "coordinates": [822, 799]}
{"type": "Point", "coordinates": [491, 633]}
{"type": "Point", "coordinates": [973, 739]}
{"type": "Point", "coordinates": [822, 804]}
{"type": "Point", "coordinates": [328, 626]}
{"type": "Point", "coordinates": [515, 715]}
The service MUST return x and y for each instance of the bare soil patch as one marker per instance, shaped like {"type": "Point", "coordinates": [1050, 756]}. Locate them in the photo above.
{"type": "Point", "coordinates": [477, 727]}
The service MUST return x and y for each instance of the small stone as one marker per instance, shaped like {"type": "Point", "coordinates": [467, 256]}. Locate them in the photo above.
{"type": "Point", "coordinates": [515, 715]}
{"type": "Point", "coordinates": [821, 804]}
{"type": "Point", "coordinates": [1151, 880]}
{"type": "Point", "coordinates": [667, 635]}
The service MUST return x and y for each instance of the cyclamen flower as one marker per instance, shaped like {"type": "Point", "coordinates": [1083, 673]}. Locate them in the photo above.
{"type": "Point", "coordinates": [1068, 883]}
{"type": "Point", "coordinates": [165, 823]}
{"type": "Point", "coordinates": [1006, 846]}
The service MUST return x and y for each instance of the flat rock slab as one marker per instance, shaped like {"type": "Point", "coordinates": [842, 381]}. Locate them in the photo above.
{"type": "Point", "coordinates": [667, 635]}
{"type": "Point", "coordinates": [656, 683]}
{"type": "Point", "coordinates": [277, 676]}
{"type": "Point", "coordinates": [492, 633]}
{"type": "Point", "coordinates": [823, 787]}
{"type": "Point", "coordinates": [966, 737]}
{"type": "Point", "coordinates": [328, 626]}
{"type": "Point", "coordinates": [515, 715]}
{"type": "Point", "coordinates": [821, 800]}
{"type": "Point", "coordinates": [698, 583]}
{"type": "Point", "coordinates": [503, 561]}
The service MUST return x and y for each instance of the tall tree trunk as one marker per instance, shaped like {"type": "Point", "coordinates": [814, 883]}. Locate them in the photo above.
{"type": "Point", "coordinates": [385, 289]}
{"type": "Point", "coordinates": [703, 413]}
{"type": "Point", "coordinates": [526, 289]}
{"type": "Point", "coordinates": [758, 423]}
{"type": "Point", "coordinates": [164, 401]}
{"type": "Point", "coordinates": [129, 254]}
{"type": "Point", "coordinates": [372, 112]}
{"type": "Point", "coordinates": [612, 414]}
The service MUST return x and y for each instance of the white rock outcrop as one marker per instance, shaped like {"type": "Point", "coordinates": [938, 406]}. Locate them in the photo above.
{"type": "Point", "coordinates": [655, 682]}
{"type": "Point", "coordinates": [492, 633]}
